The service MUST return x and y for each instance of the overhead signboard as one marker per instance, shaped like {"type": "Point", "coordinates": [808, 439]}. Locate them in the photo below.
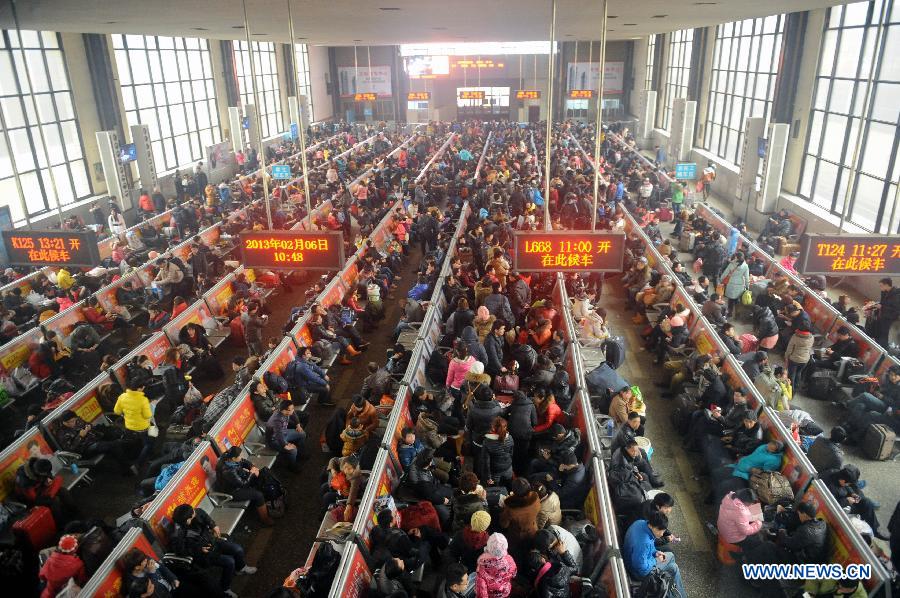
{"type": "Point", "coordinates": [581, 94]}
{"type": "Point", "coordinates": [52, 248]}
{"type": "Point", "coordinates": [849, 254]}
{"type": "Point", "coordinates": [281, 172]}
{"type": "Point", "coordinates": [365, 97]}
{"type": "Point", "coordinates": [292, 250]}
{"type": "Point", "coordinates": [528, 94]}
{"type": "Point", "coordinates": [471, 95]}
{"type": "Point", "coordinates": [418, 96]}
{"type": "Point", "coordinates": [374, 79]}
{"type": "Point", "coordinates": [572, 251]}
{"type": "Point", "coordinates": [586, 75]}
{"type": "Point", "coordinates": [686, 171]}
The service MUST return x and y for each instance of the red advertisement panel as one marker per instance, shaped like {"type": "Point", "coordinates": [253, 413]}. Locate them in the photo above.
{"type": "Point", "coordinates": [30, 444]}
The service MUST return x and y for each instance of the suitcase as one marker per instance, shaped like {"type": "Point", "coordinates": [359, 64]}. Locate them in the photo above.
{"type": "Point", "coordinates": [821, 387]}
{"type": "Point", "coordinates": [788, 248]}
{"type": "Point", "coordinates": [37, 527]}
{"type": "Point", "coordinates": [749, 343]}
{"type": "Point", "coordinates": [686, 241]}
{"type": "Point", "coordinates": [665, 214]}
{"type": "Point", "coordinates": [771, 487]}
{"type": "Point", "coordinates": [878, 443]}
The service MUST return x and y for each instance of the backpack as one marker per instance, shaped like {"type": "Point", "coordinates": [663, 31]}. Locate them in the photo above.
{"type": "Point", "coordinates": [279, 384]}
{"type": "Point", "coordinates": [614, 348]}
{"type": "Point", "coordinates": [418, 292]}
{"type": "Point", "coordinates": [526, 357]}
{"type": "Point", "coordinates": [656, 585]}
{"type": "Point", "coordinates": [167, 473]}
{"type": "Point", "coordinates": [273, 491]}
{"type": "Point", "coordinates": [316, 582]}
{"type": "Point", "coordinates": [771, 487]}
{"type": "Point", "coordinates": [348, 316]}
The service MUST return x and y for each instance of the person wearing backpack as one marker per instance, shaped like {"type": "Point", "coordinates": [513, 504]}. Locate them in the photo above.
{"type": "Point", "coordinates": [643, 559]}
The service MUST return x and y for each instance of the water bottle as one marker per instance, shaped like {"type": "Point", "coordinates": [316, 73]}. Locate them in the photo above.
{"type": "Point", "coordinates": [610, 427]}
{"type": "Point", "coordinates": [74, 468]}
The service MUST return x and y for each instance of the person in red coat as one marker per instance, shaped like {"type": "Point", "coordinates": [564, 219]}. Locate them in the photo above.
{"type": "Point", "coordinates": [64, 564]}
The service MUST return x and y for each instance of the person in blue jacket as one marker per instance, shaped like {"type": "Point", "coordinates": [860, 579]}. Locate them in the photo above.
{"type": "Point", "coordinates": [766, 457]}
{"type": "Point", "coordinates": [303, 373]}
{"type": "Point", "coordinates": [642, 558]}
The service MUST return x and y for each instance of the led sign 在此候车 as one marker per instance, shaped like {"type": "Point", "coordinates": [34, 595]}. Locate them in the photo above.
{"type": "Point", "coordinates": [574, 251]}
{"type": "Point", "coordinates": [52, 248]}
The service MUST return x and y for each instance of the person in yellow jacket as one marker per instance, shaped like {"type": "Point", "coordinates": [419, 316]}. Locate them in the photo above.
{"type": "Point", "coordinates": [64, 279]}
{"type": "Point", "coordinates": [134, 406]}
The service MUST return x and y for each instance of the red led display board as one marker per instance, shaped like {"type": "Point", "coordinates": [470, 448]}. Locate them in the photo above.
{"type": "Point", "coordinates": [365, 97]}
{"type": "Point", "coordinates": [581, 94]}
{"type": "Point", "coordinates": [292, 250]}
{"type": "Point", "coordinates": [52, 248]}
{"type": "Point", "coordinates": [528, 94]}
{"type": "Point", "coordinates": [471, 95]}
{"type": "Point", "coordinates": [414, 96]}
{"type": "Point", "coordinates": [849, 254]}
{"type": "Point", "coordinates": [572, 251]}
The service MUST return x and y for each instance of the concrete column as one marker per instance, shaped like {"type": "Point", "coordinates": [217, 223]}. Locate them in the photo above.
{"type": "Point", "coordinates": [145, 162]}
{"type": "Point", "coordinates": [804, 91]}
{"type": "Point", "coordinates": [647, 114]}
{"type": "Point", "coordinates": [108, 143]}
{"type": "Point", "coordinates": [237, 131]}
{"type": "Point", "coordinates": [705, 84]}
{"type": "Point", "coordinates": [253, 131]}
{"type": "Point", "coordinates": [681, 129]}
{"type": "Point", "coordinates": [745, 192]}
{"type": "Point", "coordinates": [218, 74]}
{"type": "Point", "coordinates": [85, 107]}
{"type": "Point", "coordinates": [293, 110]}
{"type": "Point", "coordinates": [773, 167]}
{"type": "Point", "coordinates": [284, 89]}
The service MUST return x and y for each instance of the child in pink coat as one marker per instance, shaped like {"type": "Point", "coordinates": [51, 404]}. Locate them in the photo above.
{"type": "Point", "coordinates": [496, 569]}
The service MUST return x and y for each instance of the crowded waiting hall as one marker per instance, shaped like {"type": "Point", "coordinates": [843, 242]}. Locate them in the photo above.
{"type": "Point", "coordinates": [541, 300]}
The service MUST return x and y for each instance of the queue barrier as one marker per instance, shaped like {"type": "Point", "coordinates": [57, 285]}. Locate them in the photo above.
{"type": "Point", "coordinates": [846, 545]}
{"type": "Point", "coordinates": [107, 581]}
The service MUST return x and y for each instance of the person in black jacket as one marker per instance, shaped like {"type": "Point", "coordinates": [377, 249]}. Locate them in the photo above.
{"type": "Point", "coordinates": [730, 340]}
{"type": "Point", "coordinates": [808, 542]}
{"type": "Point", "coordinates": [493, 346]}
{"type": "Point", "coordinates": [845, 346]}
{"type": "Point", "coordinates": [843, 487]}
{"type": "Point", "coordinates": [826, 454]}
{"type": "Point", "coordinates": [496, 458]}
{"type": "Point", "coordinates": [522, 420]}
{"type": "Point", "coordinates": [626, 432]}
{"type": "Point", "coordinates": [240, 478]}
{"type": "Point", "coordinates": [551, 581]}
{"type": "Point", "coordinates": [197, 536]}
{"type": "Point", "coordinates": [888, 312]}
{"type": "Point", "coordinates": [482, 412]}
{"type": "Point", "coordinates": [427, 487]}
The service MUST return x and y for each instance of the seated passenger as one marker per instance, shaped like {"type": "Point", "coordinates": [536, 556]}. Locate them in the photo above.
{"type": "Point", "coordinates": [241, 479]}
{"type": "Point", "coordinates": [285, 434]}
{"type": "Point", "coordinates": [467, 499]}
{"type": "Point", "coordinates": [62, 565]}
{"type": "Point", "coordinates": [77, 436]}
{"type": "Point", "coordinates": [738, 523]}
{"type": "Point", "coordinates": [642, 558]}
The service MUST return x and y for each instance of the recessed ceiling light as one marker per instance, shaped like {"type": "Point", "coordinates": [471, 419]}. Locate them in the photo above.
{"type": "Point", "coordinates": [388, 8]}
{"type": "Point", "coordinates": [259, 34]}
{"type": "Point", "coordinates": [357, 40]}
{"type": "Point", "coordinates": [439, 28]}
{"type": "Point", "coordinates": [612, 16]}
{"type": "Point", "coordinates": [704, 3]}
{"type": "Point", "coordinates": [630, 24]}
{"type": "Point", "coordinates": [298, 37]}
{"type": "Point", "coordinates": [112, 22]}
{"type": "Point", "coordinates": [569, 35]}
{"type": "Point", "coordinates": [199, 28]}
{"type": "Point", "coordinates": [659, 16]}
{"type": "Point", "coordinates": [635, 38]}
{"type": "Point", "coordinates": [610, 29]}
{"type": "Point", "coordinates": [237, 26]}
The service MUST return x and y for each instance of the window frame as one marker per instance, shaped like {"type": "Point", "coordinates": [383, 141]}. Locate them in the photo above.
{"type": "Point", "coordinates": [680, 46]}
{"type": "Point", "coordinates": [264, 54]}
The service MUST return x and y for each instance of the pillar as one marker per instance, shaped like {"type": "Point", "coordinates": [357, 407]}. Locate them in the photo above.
{"type": "Point", "coordinates": [773, 167]}
{"type": "Point", "coordinates": [681, 130]}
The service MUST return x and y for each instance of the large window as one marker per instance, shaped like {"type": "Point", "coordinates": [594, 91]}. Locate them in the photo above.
{"type": "Point", "coordinates": [494, 104]}
{"type": "Point", "coordinates": [167, 84]}
{"type": "Point", "coordinates": [846, 57]}
{"type": "Point", "coordinates": [651, 61]}
{"type": "Point", "coordinates": [267, 88]}
{"type": "Point", "coordinates": [28, 111]}
{"type": "Point", "coordinates": [678, 71]}
{"type": "Point", "coordinates": [301, 57]}
{"type": "Point", "coordinates": [744, 67]}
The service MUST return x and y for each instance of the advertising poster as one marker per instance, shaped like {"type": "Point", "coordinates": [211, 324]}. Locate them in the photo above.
{"type": "Point", "coordinates": [353, 80]}
{"type": "Point", "coordinates": [586, 75]}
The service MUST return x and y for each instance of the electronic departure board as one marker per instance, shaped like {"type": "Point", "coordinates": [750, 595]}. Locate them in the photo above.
{"type": "Point", "coordinates": [418, 96]}
{"type": "Point", "coordinates": [52, 248]}
{"type": "Point", "coordinates": [573, 251]}
{"type": "Point", "coordinates": [849, 254]}
{"type": "Point", "coordinates": [528, 94]}
{"type": "Point", "coordinates": [292, 250]}
{"type": "Point", "coordinates": [471, 95]}
{"type": "Point", "coordinates": [581, 94]}
{"type": "Point", "coordinates": [365, 97]}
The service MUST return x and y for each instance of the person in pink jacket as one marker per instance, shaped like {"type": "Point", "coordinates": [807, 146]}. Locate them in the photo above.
{"type": "Point", "coordinates": [736, 523]}
{"type": "Point", "coordinates": [459, 366]}
{"type": "Point", "coordinates": [496, 569]}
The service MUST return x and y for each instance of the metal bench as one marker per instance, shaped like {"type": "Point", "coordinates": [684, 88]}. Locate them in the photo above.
{"type": "Point", "coordinates": [62, 466]}
{"type": "Point", "coordinates": [225, 511]}
{"type": "Point", "coordinates": [257, 452]}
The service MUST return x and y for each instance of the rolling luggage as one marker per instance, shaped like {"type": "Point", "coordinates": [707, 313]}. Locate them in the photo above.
{"type": "Point", "coordinates": [748, 343]}
{"type": "Point", "coordinates": [37, 527]}
{"type": "Point", "coordinates": [878, 443]}
{"type": "Point", "coordinates": [664, 213]}
{"type": "Point", "coordinates": [686, 241]}
{"type": "Point", "coordinates": [614, 349]}
{"type": "Point", "coordinates": [821, 387]}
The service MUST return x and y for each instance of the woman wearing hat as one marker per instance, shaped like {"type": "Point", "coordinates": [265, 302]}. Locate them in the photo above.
{"type": "Point", "coordinates": [64, 564]}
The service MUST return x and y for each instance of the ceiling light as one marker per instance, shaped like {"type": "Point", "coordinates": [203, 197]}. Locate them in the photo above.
{"type": "Point", "coordinates": [357, 40]}
{"type": "Point", "coordinates": [298, 37]}
{"type": "Point", "coordinates": [260, 34]}
{"type": "Point", "coordinates": [112, 22]}
{"type": "Point", "coordinates": [388, 8]}
{"type": "Point", "coordinates": [659, 16]}
{"type": "Point", "coordinates": [199, 28]}
{"type": "Point", "coordinates": [636, 38]}
{"type": "Point", "coordinates": [439, 28]}
{"type": "Point", "coordinates": [630, 24]}
{"type": "Point", "coordinates": [704, 3]}
{"type": "Point", "coordinates": [612, 16]}
{"type": "Point", "coordinates": [237, 26]}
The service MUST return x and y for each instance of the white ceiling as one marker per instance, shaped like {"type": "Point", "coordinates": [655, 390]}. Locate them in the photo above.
{"type": "Point", "coordinates": [345, 22]}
